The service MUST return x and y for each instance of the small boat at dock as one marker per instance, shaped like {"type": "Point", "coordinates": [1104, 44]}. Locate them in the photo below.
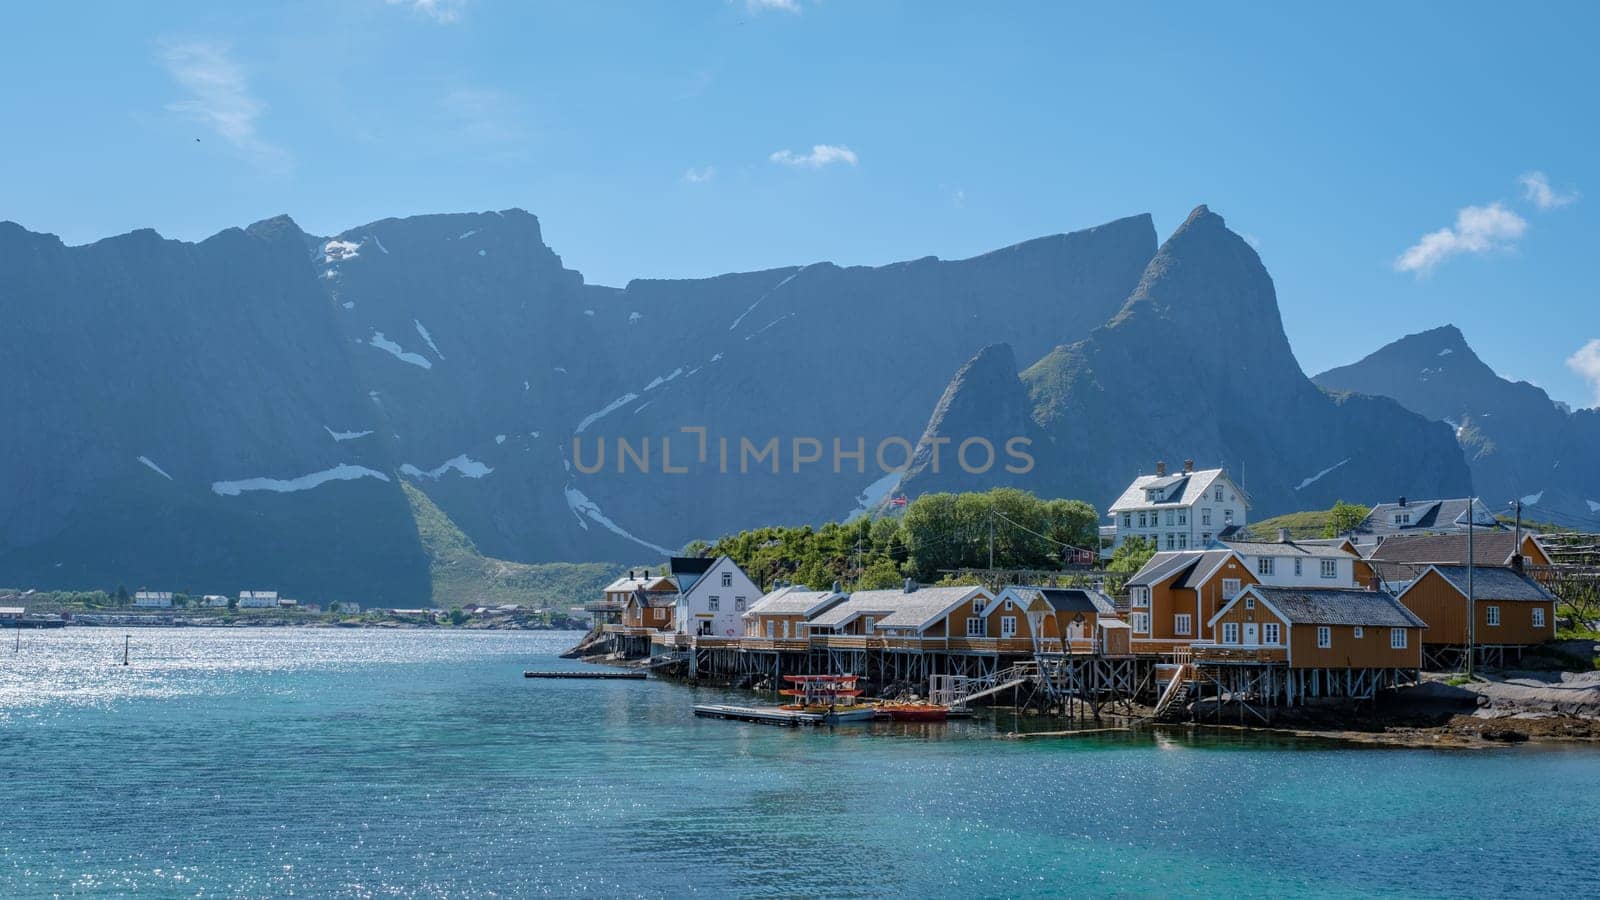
{"type": "Point", "coordinates": [915, 712]}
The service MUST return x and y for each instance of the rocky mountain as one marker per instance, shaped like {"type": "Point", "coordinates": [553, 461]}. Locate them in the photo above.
{"type": "Point", "coordinates": [1196, 365]}
{"type": "Point", "coordinates": [1518, 442]}
{"type": "Point", "coordinates": [244, 411]}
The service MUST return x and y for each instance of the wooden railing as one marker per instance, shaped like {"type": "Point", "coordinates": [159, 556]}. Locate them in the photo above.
{"type": "Point", "coordinates": [1239, 653]}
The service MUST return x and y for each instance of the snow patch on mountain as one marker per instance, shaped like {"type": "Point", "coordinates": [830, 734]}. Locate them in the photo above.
{"type": "Point", "coordinates": [1317, 477]}
{"type": "Point", "coordinates": [342, 472]}
{"type": "Point", "coordinates": [399, 352]}
{"type": "Point", "coordinates": [428, 338]}
{"type": "Point", "coordinates": [337, 251]}
{"type": "Point", "coordinates": [463, 464]}
{"type": "Point", "coordinates": [1533, 499]}
{"type": "Point", "coordinates": [606, 410]}
{"type": "Point", "coordinates": [346, 435]}
{"type": "Point", "coordinates": [874, 494]}
{"type": "Point", "coordinates": [586, 510]}
{"type": "Point", "coordinates": [157, 469]}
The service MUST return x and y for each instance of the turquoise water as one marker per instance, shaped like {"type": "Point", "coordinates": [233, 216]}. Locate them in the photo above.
{"type": "Point", "coordinates": [364, 763]}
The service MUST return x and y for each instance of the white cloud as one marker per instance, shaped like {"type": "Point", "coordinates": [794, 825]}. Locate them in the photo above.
{"type": "Point", "coordinates": [1586, 363]}
{"type": "Point", "coordinates": [701, 175]}
{"type": "Point", "coordinates": [1478, 229]}
{"type": "Point", "coordinates": [219, 97]}
{"type": "Point", "coordinates": [441, 11]}
{"type": "Point", "coordinates": [1536, 189]}
{"type": "Point", "coordinates": [820, 155]}
{"type": "Point", "coordinates": [759, 6]}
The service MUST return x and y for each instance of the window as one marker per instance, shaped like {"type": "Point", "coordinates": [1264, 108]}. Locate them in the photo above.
{"type": "Point", "coordinates": [1324, 637]}
{"type": "Point", "coordinates": [1127, 520]}
{"type": "Point", "coordinates": [1183, 517]}
{"type": "Point", "coordinates": [1141, 596]}
{"type": "Point", "coordinates": [769, 629]}
{"type": "Point", "coordinates": [1230, 588]}
{"type": "Point", "coordinates": [1249, 603]}
{"type": "Point", "coordinates": [1230, 632]}
{"type": "Point", "coordinates": [1491, 615]}
{"type": "Point", "coordinates": [1183, 541]}
{"type": "Point", "coordinates": [1172, 541]}
{"type": "Point", "coordinates": [714, 603]}
{"type": "Point", "coordinates": [1008, 626]}
{"type": "Point", "coordinates": [977, 627]}
{"type": "Point", "coordinates": [660, 614]}
{"type": "Point", "coordinates": [1180, 624]}
{"type": "Point", "coordinates": [1264, 565]}
{"type": "Point", "coordinates": [1271, 633]}
{"type": "Point", "coordinates": [1008, 605]}
{"type": "Point", "coordinates": [1330, 568]}
{"type": "Point", "coordinates": [867, 623]}
{"type": "Point", "coordinates": [1538, 617]}
{"type": "Point", "coordinates": [1402, 518]}
{"type": "Point", "coordinates": [1219, 493]}
{"type": "Point", "coordinates": [1227, 517]}
{"type": "Point", "coordinates": [738, 604]}
{"type": "Point", "coordinates": [1397, 638]}
{"type": "Point", "coordinates": [978, 604]}
{"type": "Point", "coordinates": [1170, 514]}
{"type": "Point", "coordinates": [1359, 633]}
{"type": "Point", "coordinates": [1141, 622]}
{"type": "Point", "coordinates": [727, 579]}
{"type": "Point", "coordinates": [1205, 537]}
{"type": "Point", "coordinates": [1205, 516]}
{"type": "Point", "coordinates": [1142, 520]}
{"type": "Point", "coordinates": [1297, 566]}
{"type": "Point", "coordinates": [785, 629]}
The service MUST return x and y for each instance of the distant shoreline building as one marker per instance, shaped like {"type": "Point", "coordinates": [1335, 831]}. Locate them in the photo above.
{"type": "Point", "coordinates": [1186, 510]}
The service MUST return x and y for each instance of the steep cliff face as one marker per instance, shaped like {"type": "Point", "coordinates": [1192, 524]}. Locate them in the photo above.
{"type": "Point", "coordinates": [242, 410]}
{"type": "Point", "coordinates": [1518, 442]}
{"type": "Point", "coordinates": [1196, 365]}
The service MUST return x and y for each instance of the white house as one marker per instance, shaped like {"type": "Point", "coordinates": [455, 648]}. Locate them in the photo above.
{"type": "Point", "coordinates": [1182, 511]}
{"type": "Point", "coordinates": [258, 599]}
{"type": "Point", "coordinates": [713, 604]}
{"type": "Point", "coordinates": [1287, 563]}
{"type": "Point", "coordinates": [152, 599]}
{"type": "Point", "coordinates": [213, 601]}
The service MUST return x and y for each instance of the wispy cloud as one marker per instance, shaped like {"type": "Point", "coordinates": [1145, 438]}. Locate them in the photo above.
{"type": "Point", "coordinates": [442, 11]}
{"type": "Point", "coordinates": [1586, 363]}
{"type": "Point", "coordinates": [1536, 189]}
{"type": "Point", "coordinates": [760, 6]}
{"type": "Point", "coordinates": [820, 155]}
{"type": "Point", "coordinates": [700, 175]}
{"type": "Point", "coordinates": [1478, 229]}
{"type": "Point", "coordinates": [219, 97]}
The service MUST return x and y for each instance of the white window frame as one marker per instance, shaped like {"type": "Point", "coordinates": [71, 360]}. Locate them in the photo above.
{"type": "Point", "coordinates": [1183, 517]}
{"type": "Point", "coordinates": [738, 604]}
{"type": "Point", "coordinates": [977, 627]}
{"type": "Point", "coordinates": [1181, 624]}
{"type": "Point", "coordinates": [1271, 633]}
{"type": "Point", "coordinates": [1219, 493]}
{"type": "Point", "coordinates": [1183, 540]}
{"type": "Point", "coordinates": [1140, 622]}
{"type": "Point", "coordinates": [1297, 566]}
{"type": "Point", "coordinates": [868, 624]}
{"type": "Point", "coordinates": [1538, 617]}
{"type": "Point", "coordinates": [1172, 541]}
{"type": "Point", "coordinates": [1358, 632]}
{"type": "Point", "coordinates": [1170, 516]}
{"type": "Point", "coordinates": [727, 579]}
{"type": "Point", "coordinates": [978, 605]}
{"type": "Point", "coordinates": [1491, 616]}
{"type": "Point", "coordinates": [1265, 565]}
{"type": "Point", "coordinates": [1330, 568]}
{"type": "Point", "coordinates": [1231, 588]}
{"type": "Point", "coordinates": [1397, 639]}
{"type": "Point", "coordinates": [1127, 520]}
{"type": "Point", "coordinates": [1205, 515]}
{"type": "Point", "coordinates": [1249, 603]}
{"type": "Point", "coordinates": [1008, 626]}
{"type": "Point", "coordinates": [660, 613]}
{"type": "Point", "coordinates": [1141, 597]}
{"type": "Point", "coordinates": [714, 603]}
{"type": "Point", "coordinates": [1324, 637]}
{"type": "Point", "coordinates": [1230, 632]}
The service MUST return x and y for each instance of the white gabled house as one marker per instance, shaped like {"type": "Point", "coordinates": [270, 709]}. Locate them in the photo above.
{"type": "Point", "coordinates": [1182, 511]}
{"type": "Point", "coordinates": [713, 604]}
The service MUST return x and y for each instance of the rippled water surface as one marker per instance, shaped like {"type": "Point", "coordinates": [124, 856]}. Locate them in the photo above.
{"type": "Point", "coordinates": [367, 763]}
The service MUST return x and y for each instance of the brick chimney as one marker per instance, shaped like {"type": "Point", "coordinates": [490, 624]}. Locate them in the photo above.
{"type": "Point", "coordinates": [1161, 467]}
{"type": "Point", "coordinates": [1188, 466]}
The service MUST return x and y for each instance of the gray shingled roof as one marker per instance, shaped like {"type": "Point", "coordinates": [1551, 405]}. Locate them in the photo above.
{"type": "Point", "coordinates": [895, 608]}
{"type": "Point", "coordinates": [1495, 583]}
{"type": "Point", "coordinates": [794, 600]}
{"type": "Point", "coordinates": [1325, 606]}
{"type": "Point", "coordinates": [1426, 515]}
{"type": "Point", "coordinates": [1206, 563]}
{"type": "Point", "coordinates": [1078, 600]}
{"type": "Point", "coordinates": [1164, 565]}
{"type": "Point", "coordinates": [1199, 481]}
{"type": "Point", "coordinates": [1288, 548]}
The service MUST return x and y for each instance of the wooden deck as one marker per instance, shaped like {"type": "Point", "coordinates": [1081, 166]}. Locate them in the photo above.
{"type": "Point", "coordinates": [588, 674]}
{"type": "Point", "coordinates": [765, 715]}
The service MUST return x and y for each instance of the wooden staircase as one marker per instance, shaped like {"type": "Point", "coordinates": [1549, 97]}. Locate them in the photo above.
{"type": "Point", "coordinates": [957, 691]}
{"type": "Point", "coordinates": [1176, 692]}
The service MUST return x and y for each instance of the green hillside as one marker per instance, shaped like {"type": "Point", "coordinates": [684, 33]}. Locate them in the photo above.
{"type": "Point", "coordinates": [462, 575]}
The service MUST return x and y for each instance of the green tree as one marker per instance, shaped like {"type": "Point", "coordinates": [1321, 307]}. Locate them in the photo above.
{"type": "Point", "coordinates": [457, 615]}
{"type": "Point", "coordinates": [1343, 518]}
{"type": "Point", "coordinates": [1131, 555]}
{"type": "Point", "coordinates": [122, 595]}
{"type": "Point", "coordinates": [333, 607]}
{"type": "Point", "coordinates": [233, 603]}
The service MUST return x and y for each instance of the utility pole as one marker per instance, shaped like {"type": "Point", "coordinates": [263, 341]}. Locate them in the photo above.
{"type": "Point", "coordinates": [991, 541]}
{"type": "Point", "coordinates": [1472, 607]}
{"type": "Point", "coordinates": [1516, 548]}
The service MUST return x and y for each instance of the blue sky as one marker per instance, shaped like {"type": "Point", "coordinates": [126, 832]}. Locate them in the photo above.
{"type": "Point", "coordinates": [1376, 155]}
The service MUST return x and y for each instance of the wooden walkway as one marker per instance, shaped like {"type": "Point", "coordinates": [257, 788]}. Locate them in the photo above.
{"type": "Point", "coordinates": [584, 673]}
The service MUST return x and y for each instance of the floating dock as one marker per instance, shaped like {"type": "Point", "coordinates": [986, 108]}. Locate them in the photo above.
{"type": "Point", "coordinates": [619, 676]}
{"type": "Point", "coordinates": [766, 715]}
